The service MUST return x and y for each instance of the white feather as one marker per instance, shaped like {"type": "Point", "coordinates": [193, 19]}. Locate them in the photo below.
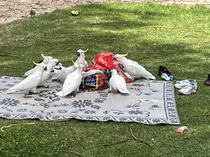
{"type": "Point", "coordinates": [117, 83]}
{"type": "Point", "coordinates": [46, 74]}
{"type": "Point", "coordinates": [30, 82]}
{"type": "Point", "coordinates": [31, 71]}
{"type": "Point", "coordinates": [81, 58]}
{"type": "Point", "coordinates": [62, 74]}
{"type": "Point", "coordinates": [133, 68]}
{"type": "Point", "coordinates": [72, 81]}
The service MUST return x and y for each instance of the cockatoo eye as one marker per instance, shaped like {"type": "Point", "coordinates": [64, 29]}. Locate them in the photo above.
{"type": "Point", "coordinates": [78, 54]}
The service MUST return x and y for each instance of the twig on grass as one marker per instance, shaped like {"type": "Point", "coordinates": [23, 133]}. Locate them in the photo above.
{"type": "Point", "coordinates": [139, 139]}
{"type": "Point", "coordinates": [70, 151]}
{"type": "Point", "coordinates": [201, 115]}
{"type": "Point", "coordinates": [89, 134]}
{"type": "Point", "coordinates": [8, 55]}
{"type": "Point", "coordinates": [191, 131]}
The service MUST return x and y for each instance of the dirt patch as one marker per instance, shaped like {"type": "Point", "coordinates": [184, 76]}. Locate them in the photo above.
{"type": "Point", "coordinates": [17, 9]}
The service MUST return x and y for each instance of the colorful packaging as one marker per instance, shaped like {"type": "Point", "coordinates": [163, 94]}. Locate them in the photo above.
{"type": "Point", "coordinates": [181, 129]}
{"type": "Point", "coordinates": [95, 81]}
{"type": "Point", "coordinates": [105, 60]}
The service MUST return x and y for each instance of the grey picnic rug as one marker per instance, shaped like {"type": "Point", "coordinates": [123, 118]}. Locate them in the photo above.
{"type": "Point", "coordinates": [149, 102]}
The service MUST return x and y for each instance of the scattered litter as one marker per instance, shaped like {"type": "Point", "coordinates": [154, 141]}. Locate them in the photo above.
{"type": "Point", "coordinates": [74, 13]}
{"type": "Point", "coordinates": [181, 129]}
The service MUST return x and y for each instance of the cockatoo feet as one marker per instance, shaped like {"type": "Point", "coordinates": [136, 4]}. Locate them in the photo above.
{"type": "Point", "coordinates": [31, 93]}
{"type": "Point", "coordinates": [26, 96]}
{"type": "Point", "coordinates": [71, 95]}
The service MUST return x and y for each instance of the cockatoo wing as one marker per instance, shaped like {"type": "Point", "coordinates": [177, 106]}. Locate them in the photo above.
{"type": "Point", "coordinates": [31, 71]}
{"type": "Point", "coordinates": [63, 73]}
{"type": "Point", "coordinates": [91, 72]}
{"type": "Point", "coordinates": [136, 70]}
{"type": "Point", "coordinates": [71, 83]}
{"type": "Point", "coordinates": [118, 83]}
{"type": "Point", "coordinates": [30, 82]}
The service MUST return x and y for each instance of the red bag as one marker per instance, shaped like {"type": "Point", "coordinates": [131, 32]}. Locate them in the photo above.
{"type": "Point", "coordinates": [95, 81]}
{"type": "Point", "coordinates": [105, 60]}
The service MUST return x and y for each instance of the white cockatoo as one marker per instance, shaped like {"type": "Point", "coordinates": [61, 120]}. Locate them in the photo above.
{"type": "Point", "coordinates": [81, 58]}
{"type": "Point", "coordinates": [46, 74]}
{"type": "Point", "coordinates": [30, 82]}
{"type": "Point", "coordinates": [72, 81]}
{"type": "Point", "coordinates": [133, 68]}
{"type": "Point", "coordinates": [45, 61]}
{"type": "Point", "coordinates": [117, 83]}
{"type": "Point", "coordinates": [62, 74]}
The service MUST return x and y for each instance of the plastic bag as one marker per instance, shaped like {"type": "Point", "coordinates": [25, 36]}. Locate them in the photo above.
{"type": "Point", "coordinates": [105, 60]}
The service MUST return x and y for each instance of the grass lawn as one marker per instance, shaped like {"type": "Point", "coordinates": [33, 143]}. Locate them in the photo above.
{"type": "Point", "coordinates": [175, 36]}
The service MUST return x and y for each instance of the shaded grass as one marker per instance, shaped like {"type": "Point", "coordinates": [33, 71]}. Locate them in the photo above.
{"type": "Point", "coordinates": [175, 36]}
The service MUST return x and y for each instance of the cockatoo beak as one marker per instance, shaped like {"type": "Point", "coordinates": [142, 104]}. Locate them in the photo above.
{"type": "Point", "coordinates": [78, 54]}
{"type": "Point", "coordinates": [125, 55]}
{"type": "Point", "coordinates": [85, 50]}
{"type": "Point", "coordinates": [36, 63]}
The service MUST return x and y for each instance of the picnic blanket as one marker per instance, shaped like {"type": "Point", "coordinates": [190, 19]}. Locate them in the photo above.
{"type": "Point", "coordinates": [149, 102]}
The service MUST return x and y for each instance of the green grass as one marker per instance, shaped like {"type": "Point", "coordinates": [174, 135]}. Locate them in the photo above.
{"type": "Point", "coordinates": [175, 36]}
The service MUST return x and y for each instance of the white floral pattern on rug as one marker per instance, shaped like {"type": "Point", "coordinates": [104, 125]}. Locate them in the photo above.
{"type": "Point", "coordinates": [149, 102]}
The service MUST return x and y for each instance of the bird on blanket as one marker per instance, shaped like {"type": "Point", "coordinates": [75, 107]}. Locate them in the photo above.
{"type": "Point", "coordinates": [46, 74]}
{"type": "Point", "coordinates": [72, 81]}
{"type": "Point", "coordinates": [63, 72]}
{"type": "Point", "coordinates": [81, 58]}
{"type": "Point", "coordinates": [117, 83]}
{"type": "Point", "coordinates": [31, 82]}
{"type": "Point", "coordinates": [45, 61]}
{"type": "Point", "coordinates": [133, 68]}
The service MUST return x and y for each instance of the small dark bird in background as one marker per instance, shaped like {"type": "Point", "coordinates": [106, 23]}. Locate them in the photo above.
{"type": "Point", "coordinates": [32, 13]}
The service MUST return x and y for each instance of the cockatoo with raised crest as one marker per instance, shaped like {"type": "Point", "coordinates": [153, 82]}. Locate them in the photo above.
{"type": "Point", "coordinates": [72, 81]}
{"type": "Point", "coordinates": [81, 58]}
{"type": "Point", "coordinates": [62, 74]}
{"type": "Point", "coordinates": [45, 61]}
{"type": "Point", "coordinates": [30, 82]}
{"type": "Point", "coordinates": [117, 83]}
{"type": "Point", "coordinates": [133, 68]}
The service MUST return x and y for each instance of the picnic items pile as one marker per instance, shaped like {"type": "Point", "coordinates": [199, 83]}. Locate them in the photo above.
{"type": "Point", "coordinates": [106, 71]}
